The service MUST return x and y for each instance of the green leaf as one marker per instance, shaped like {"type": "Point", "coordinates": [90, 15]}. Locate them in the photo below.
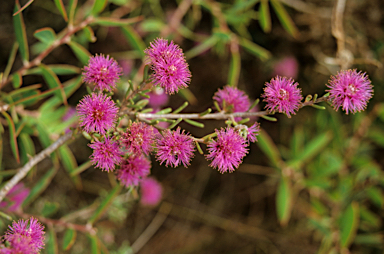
{"type": "Point", "coordinates": [105, 203]}
{"type": "Point", "coordinates": [104, 21]}
{"type": "Point", "coordinates": [201, 47]}
{"type": "Point", "coordinates": [58, 69]}
{"type": "Point", "coordinates": [194, 123]}
{"type": "Point", "coordinates": [284, 200]}
{"type": "Point", "coordinates": [27, 147]}
{"type": "Point", "coordinates": [12, 136]}
{"type": "Point", "coordinates": [234, 68]}
{"type": "Point", "coordinates": [255, 49]}
{"type": "Point", "coordinates": [375, 239]}
{"type": "Point", "coordinates": [81, 53]}
{"type": "Point", "coordinates": [49, 209]}
{"type": "Point", "coordinates": [45, 35]}
{"type": "Point", "coordinates": [152, 25]}
{"type": "Point", "coordinates": [98, 6]}
{"type": "Point", "coordinates": [11, 60]}
{"type": "Point", "coordinates": [53, 82]}
{"type": "Point", "coordinates": [94, 244]}
{"type": "Point", "coordinates": [69, 238]}
{"type": "Point", "coordinates": [40, 186]}
{"type": "Point", "coordinates": [89, 34]}
{"type": "Point", "coordinates": [134, 39]}
{"type": "Point", "coordinates": [60, 6]}
{"type": "Point", "coordinates": [265, 16]}
{"type": "Point", "coordinates": [284, 18]}
{"type": "Point", "coordinates": [267, 145]}
{"type": "Point", "coordinates": [81, 168]}
{"type": "Point", "coordinates": [51, 246]}
{"type": "Point", "coordinates": [376, 196]}
{"type": "Point", "coordinates": [69, 163]}
{"type": "Point", "coordinates": [349, 223]}
{"type": "Point", "coordinates": [21, 35]}
{"type": "Point", "coordinates": [71, 10]}
{"type": "Point", "coordinates": [17, 81]}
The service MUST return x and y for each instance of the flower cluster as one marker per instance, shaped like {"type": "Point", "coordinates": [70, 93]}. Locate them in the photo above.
{"type": "Point", "coordinates": [26, 237]}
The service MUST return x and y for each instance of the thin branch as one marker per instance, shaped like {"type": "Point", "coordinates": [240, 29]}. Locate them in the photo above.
{"type": "Point", "coordinates": [22, 172]}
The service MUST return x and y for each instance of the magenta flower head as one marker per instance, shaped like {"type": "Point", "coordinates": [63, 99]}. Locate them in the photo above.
{"type": "Point", "coordinates": [25, 236]}
{"type": "Point", "coordinates": [168, 63]}
{"type": "Point", "coordinates": [133, 170]}
{"type": "Point", "coordinates": [97, 113]}
{"type": "Point", "coordinates": [234, 100]}
{"type": "Point", "coordinates": [102, 72]}
{"type": "Point", "coordinates": [105, 154]}
{"type": "Point", "coordinates": [350, 90]}
{"type": "Point", "coordinates": [227, 151]}
{"type": "Point", "coordinates": [158, 98]}
{"type": "Point", "coordinates": [282, 95]}
{"type": "Point", "coordinates": [139, 138]}
{"type": "Point", "coordinates": [174, 148]}
{"type": "Point", "coordinates": [15, 197]}
{"type": "Point", "coordinates": [151, 192]}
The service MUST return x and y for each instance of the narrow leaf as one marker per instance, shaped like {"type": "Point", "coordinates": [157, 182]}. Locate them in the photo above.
{"type": "Point", "coordinates": [255, 49]}
{"type": "Point", "coordinates": [23, 8]}
{"type": "Point", "coordinates": [71, 10]}
{"type": "Point", "coordinates": [17, 81]}
{"type": "Point", "coordinates": [201, 47]}
{"type": "Point", "coordinates": [27, 148]}
{"type": "Point", "coordinates": [21, 35]}
{"type": "Point", "coordinates": [51, 246]}
{"type": "Point", "coordinates": [234, 68]}
{"type": "Point", "coordinates": [69, 163]}
{"type": "Point", "coordinates": [284, 198]}
{"type": "Point", "coordinates": [98, 6]}
{"type": "Point", "coordinates": [11, 60]}
{"type": "Point", "coordinates": [12, 134]}
{"type": "Point", "coordinates": [69, 238]}
{"type": "Point", "coordinates": [265, 16]}
{"type": "Point", "coordinates": [284, 18]}
{"type": "Point", "coordinates": [267, 145]}
{"type": "Point", "coordinates": [194, 123]}
{"type": "Point", "coordinates": [349, 223]}
{"type": "Point", "coordinates": [94, 244]}
{"type": "Point", "coordinates": [81, 53]}
{"type": "Point", "coordinates": [60, 6]}
{"type": "Point", "coordinates": [104, 21]}
{"type": "Point", "coordinates": [58, 69]}
{"type": "Point", "coordinates": [134, 39]}
{"type": "Point", "coordinates": [53, 82]}
{"type": "Point", "coordinates": [45, 35]}
{"type": "Point", "coordinates": [81, 168]}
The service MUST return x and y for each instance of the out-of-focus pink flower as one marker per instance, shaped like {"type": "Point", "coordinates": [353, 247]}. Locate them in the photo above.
{"type": "Point", "coordinates": [133, 170]}
{"type": "Point", "coordinates": [106, 154]}
{"type": "Point", "coordinates": [350, 90]}
{"type": "Point", "coordinates": [126, 65]}
{"type": "Point", "coordinates": [288, 67]}
{"type": "Point", "coordinates": [151, 192]}
{"type": "Point", "coordinates": [282, 95]}
{"type": "Point", "coordinates": [253, 131]}
{"type": "Point", "coordinates": [102, 72]}
{"type": "Point", "coordinates": [26, 237]}
{"type": "Point", "coordinates": [158, 98]}
{"type": "Point", "coordinates": [15, 197]}
{"type": "Point", "coordinates": [168, 63]}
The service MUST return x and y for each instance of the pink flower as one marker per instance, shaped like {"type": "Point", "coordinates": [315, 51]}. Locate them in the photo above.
{"type": "Point", "coordinates": [234, 100]}
{"type": "Point", "coordinates": [105, 154]}
{"type": "Point", "coordinates": [139, 138]}
{"type": "Point", "coordinates": [15, 197]}
{"type": "Point", "coordinates": [151, 192]}
{"type": "Point", "coordinates": [133, 170]}
{"type": "Point", "coordinates": [253, 131]}
{"type": "Point", "coordinates": [350, 90]}
{"type": "Point", "coordinates": [174, 148]}
{"type": "Point", "coordinates": [282, 94]}
{"type": "Point", "coordinates": [158, 98]}
{"type": "Point", "coordinates": [103, 72]}
{"type": "Point", "coordinates": [288, 66]}
{"type": "Point", "coordinates": [168, 63]}
{"type": "Point", "coordinates": [24, 237]}
{"type": "Point", "coordinates": [227, 151]}
{"type": "Point", "coordinates": [97, 113]}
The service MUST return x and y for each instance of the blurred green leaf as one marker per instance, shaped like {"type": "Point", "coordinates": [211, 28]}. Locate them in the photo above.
{"type": "Point", "coordinates": [40, 186]}
{"type": "Point", "coordinates": [11, 60]}
{"type": "Point", "coordinates": [255, 49]}
{"type": "Point", "coordinates": [81, 168]}
{"type": "Point", "coordinates": [89, 34]}
{"type": "Point", "coordinates": [370, 239]}
{"type": "Point", "coordinates": [194, 123]}
{"type": "Point", "coordinates": [104, 21]}
{"type": "Point", "coordinates": [234, 68]}
{"type": "Point", "coordinates": [27, 147]}
{"type": "Point", "coordinates": [376, 196]}
{"type": "Point", "coordinates": [49, 209]}
{"type": "Point", "coordinates": [53, 82]}
{"type": "Point", "coordinates": [349, 223]}
{"type": "Point", "coordinates": [267, 145]}
{"type": "Point", "coordinates": [81, 53]}
{"type": "Point", "coordinates": [69, 163]}
{"type": "Point", "coordinates": [284, 18]}
{"type": "Point", "coordinates": [265, 16]}
{"type": "Point", "coordinates": [369, 218]}
{"type": "Point", "coordinates": [98, 6]}
{"type": "Point", "coordinates": [51, 246]}
{"type": "Point", "coordinates": [45, 35]}
{"type": "Point", "coordinates": [201, 47]}
{"type": "Point", "coordinates": [94, 244]}
{"type": "Point", "coordinates": [71, 10]}
{"type": "Point", "coordinates": [152, 25]}
{"type": "Point", "coordinates": [284, 201]}
{"type": "Point", "coordinates": [17, 81]}
{"type": "Point", "coordinates": [134, 39]}
{"type": "Point", "coordinates": [69, 238]}
{"type": "Point", "coordinates": [21, 36]}
{"type": "Point", "coordinates": [12, 136]}
{"type": "Point", "coordinates": [58, 69]}
{"type": "Point", "coordinates": [60, 6]}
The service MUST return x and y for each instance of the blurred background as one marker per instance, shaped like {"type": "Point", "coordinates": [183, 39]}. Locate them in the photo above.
{"type": "Point", "coordinates": [312, 184]}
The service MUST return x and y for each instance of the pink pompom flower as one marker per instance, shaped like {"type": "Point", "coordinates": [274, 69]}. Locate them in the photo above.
{"type": "Point", "coordinates": [15, 197]}
{"type": "Point", "coordinates": [253, 132]}
{"type": "Point", "coordinates": [139, 138]}
{"type": "Point", "coordinates": [106, 154]}
{"type": "Point", "coordinates": [102, 72]}
{"type": "Point", "coordinates": [234, 99]}
{"type": "Point", "coordinates": [151, 192]}
{"type": "Point", "coordinates": [97, 113]}
{"type": "Point", "coordinates": [168, 63]}
{"type": "Point", "coordinates": [282, 95]}
{"type": "Point", "coordinates": [350, 90]}
{"type": "Point", "coordinates": [25, 236]}
{"type": "Point", "coordinates": [175, 148]}
{"type": "Point", "coordinates": [133, 170]}
{"type": "Point", "coordinates": [227, 151]}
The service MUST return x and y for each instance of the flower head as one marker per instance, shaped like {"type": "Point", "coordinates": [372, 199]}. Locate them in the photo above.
{"type": "Point", "coordinates": [25, 237]}
{"type": "Point", "coordinates": [282, 94]}
{"type": "Point", "coordinates": [174, 148]}
{"type": "Point", "coordinates": [97, 113]}
{"type": "Point", "coordinates": [227, 151]}
{"type": "Point", "coordinates": [158, 98]}
{"type": "Point", "coordinates": [103, 72]}
{"type": "Point", "coordinates": [234, 99]}
{"type": "Point", "coordinates": [350, 90]}
{"type": "Point", "coordinates": [253, 132]}
{"type": "Point", "coordinates": [15, 197]}
{"type": "Point", "coordinates": [151, 192]}
{"type": "Point", "coordinates": [168, 64]}
{"type": "Point", "coordinates": [287, 66]}
{"type": "Point", "coordinates": [105, 154]}
{"type": "Point", "coordinates": [139, 138]}
{"type": "Point", "coordinates": [133, 170]}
